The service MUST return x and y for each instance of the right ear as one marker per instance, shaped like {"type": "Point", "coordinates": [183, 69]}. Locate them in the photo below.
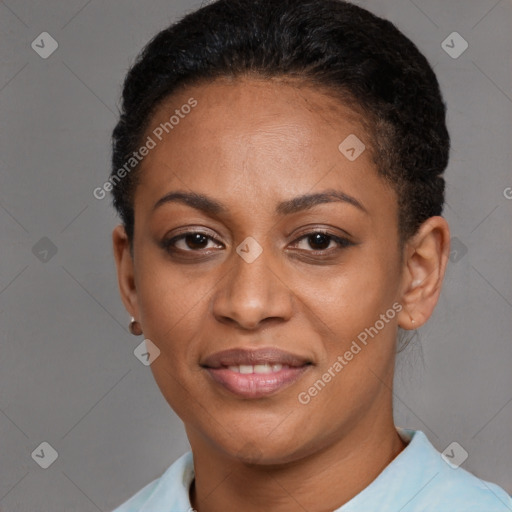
{"type": "Point", "coordinates": [125, 272]}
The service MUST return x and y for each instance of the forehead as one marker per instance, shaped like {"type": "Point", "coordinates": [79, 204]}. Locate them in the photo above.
{"type": "Point", "coordinates": [258, 138]}
{"type": "Point", "coordinates": [227, 105]}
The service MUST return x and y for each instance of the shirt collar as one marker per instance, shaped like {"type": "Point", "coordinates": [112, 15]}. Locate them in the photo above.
{"type": "Point", "coordinates": [404, 484]}
{"type": "Point", "coordinates": [173, 486]}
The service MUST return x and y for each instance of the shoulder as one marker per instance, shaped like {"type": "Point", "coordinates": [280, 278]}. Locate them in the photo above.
{"type": "Point", "coordinates": [443, 485]}
{"type": "Point", "coordinates": [169, 490]}
{"type": "Point", "coordinates": [455, 489]}
{"type": "Point", "coordinates": [461, 491]}
{"type": "Point", "coordinates": [421, 479]}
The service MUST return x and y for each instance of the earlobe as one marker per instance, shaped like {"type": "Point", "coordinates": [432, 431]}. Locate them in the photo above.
{"type": "Point", "coordinates": [125, 270]}
{"type": "Point", "coordinates": [425, 259]}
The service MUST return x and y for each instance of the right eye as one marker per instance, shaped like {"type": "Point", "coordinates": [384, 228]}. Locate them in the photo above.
{"type": "Point", "coordinates": [191, 241]}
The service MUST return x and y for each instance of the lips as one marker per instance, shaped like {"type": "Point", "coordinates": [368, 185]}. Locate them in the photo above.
{"type": "Point", "coordinates": [255, 373]}
{"type": "Point", "coordinates": [246, 357]}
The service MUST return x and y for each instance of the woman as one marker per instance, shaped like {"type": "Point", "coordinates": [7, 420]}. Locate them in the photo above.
{"type": "Point", "coordinates": [277, 167]}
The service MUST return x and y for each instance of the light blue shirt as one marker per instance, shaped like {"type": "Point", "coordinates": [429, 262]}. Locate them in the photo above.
{"type": "Point", "coordinates": [418, 479]}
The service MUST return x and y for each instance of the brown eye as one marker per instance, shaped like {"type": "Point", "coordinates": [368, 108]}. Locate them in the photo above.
{"type": "Point", "coordinates": [320, 242]}
{"type": "Point", "coordinates": [192, 241]}
{"type": "Point", "coordinates": [195, 240]}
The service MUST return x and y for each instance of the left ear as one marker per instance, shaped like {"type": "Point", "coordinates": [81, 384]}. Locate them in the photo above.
{"type": "Point", "coordinates": [425, 258]}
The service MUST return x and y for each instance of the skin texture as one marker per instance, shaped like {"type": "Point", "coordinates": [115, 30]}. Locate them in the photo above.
{"type": "Point", "coordinates": [251, 144]}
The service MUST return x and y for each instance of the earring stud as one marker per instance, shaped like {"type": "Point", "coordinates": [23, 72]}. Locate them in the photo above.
{"type": "Point", "coordinates": [134, 327]}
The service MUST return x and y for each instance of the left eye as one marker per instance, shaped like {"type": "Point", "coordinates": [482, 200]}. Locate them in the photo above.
{"type": "Point", "coordinates": [321, 241]}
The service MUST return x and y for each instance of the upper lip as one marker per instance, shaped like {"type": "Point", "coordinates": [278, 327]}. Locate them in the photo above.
{"type": "Point", "coordinates": [243, 356]}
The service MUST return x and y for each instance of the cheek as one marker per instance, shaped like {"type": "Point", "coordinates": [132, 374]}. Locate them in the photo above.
{"type": "Point", "coordinates": [172, 315]}
{"type": "Point", "coordinates": [350, 297]}
{"type": "Point", "coordinates": [172, 308]}
{"type": "Point", "coordinates": [357, 346]}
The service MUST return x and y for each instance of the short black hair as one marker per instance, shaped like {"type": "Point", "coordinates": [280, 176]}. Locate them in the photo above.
{"type": "Point", "coordinates": [331, 44]}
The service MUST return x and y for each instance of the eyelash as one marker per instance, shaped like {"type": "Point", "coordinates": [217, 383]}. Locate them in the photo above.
{"type": "Point", "coordinates": [342, 242]}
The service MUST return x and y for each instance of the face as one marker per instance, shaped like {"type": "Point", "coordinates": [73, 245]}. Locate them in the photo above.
{"type": "Point", "coordinates": [293, 246]}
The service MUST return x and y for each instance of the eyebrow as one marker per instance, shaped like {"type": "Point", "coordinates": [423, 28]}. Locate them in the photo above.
{"type": "Point", "coordinates": [211, 206]}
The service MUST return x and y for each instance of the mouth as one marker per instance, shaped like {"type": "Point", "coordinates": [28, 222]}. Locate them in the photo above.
{"type": "Point", "coordinates": [255, 373]}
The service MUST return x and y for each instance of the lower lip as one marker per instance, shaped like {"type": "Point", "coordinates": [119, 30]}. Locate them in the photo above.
{"type": "Point", "coordinates": [256, 385]}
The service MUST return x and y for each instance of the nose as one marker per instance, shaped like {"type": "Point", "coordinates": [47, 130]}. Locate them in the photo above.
{"type": "Point", "coordinates": [253, 294]}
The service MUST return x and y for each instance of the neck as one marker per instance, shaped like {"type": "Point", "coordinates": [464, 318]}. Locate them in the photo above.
{"type": "Point", "coordinates": [336, 473]}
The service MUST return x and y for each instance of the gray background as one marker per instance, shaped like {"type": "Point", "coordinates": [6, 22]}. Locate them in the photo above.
{"type": "Point", "coordinates": [68, 375]}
